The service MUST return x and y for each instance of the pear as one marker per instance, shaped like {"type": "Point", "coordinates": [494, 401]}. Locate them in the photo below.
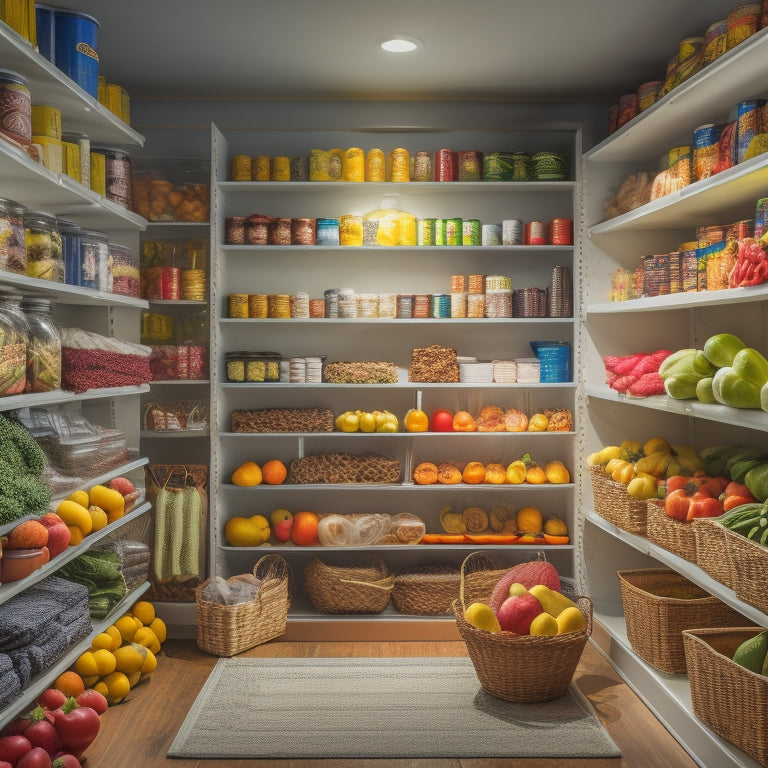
{"type": "Point", "coordinates": [517, 589]}
{"type": "Point", "coordinates": [751, 654]}
{"type": "Point", "coordinates": [553, 602]}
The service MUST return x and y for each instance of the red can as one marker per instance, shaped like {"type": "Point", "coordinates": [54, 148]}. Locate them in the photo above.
{"type": "Point", "coordinates": [445, 165]}
{"type": "Point", "coordinates": [535, 233]}
{"type": "Point", "coordinates": [171, 283]}
{"type": "Point", "coordinates": [561, 231]}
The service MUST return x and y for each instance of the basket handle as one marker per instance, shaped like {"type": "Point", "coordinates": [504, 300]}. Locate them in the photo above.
{"type": "Point", "coordinates": [466, 560]}
{"type": "Point", "coordinates": [273, 566]}
{"type": "Point", "coordinates": [386, 583]}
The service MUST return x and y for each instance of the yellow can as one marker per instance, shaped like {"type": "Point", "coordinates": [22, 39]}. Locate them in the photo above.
{"type": "Point", "coordinates": [19, 15]}
{"type": "Point", "coordinates": [52, 157]}
{"type": "Point", "coordinates": [99, 173]}
{"type": "Point", "coordinates": [261, 168]}
{"type": "Point", "coordinates": [400, 165]}
{"type": "Point", "coordinates": [241, 168]}
{"type": "Point", "coordinates": [281, 169]}
{"type": "Point", "coordinates": [353, 165]}
{"type": "Point", "coordinates": [46, 121]}
{"type": "Point", "coordinates": [375, 165]}
{"type": "Point", "coordinates": [351, 230]}
{"type": "Point", "coordinates": [71, 160]}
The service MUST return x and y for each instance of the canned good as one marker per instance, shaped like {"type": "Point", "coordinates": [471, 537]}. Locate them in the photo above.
{"type": "Point", "coordinates": [422, 166]}
{"type": "Point", "coordinates": [99, 173]}
{"type": "Point", "coordinates": [15, 108]}
{"type": "Point", "coordinates": [535, 233]}
{"type": "Point", "coordinates": [327, 232]}
{"type": "Point", "coordinates": [445, 165]}
{"type": "Point", "coordinates": [353, 165]}
{"type": "Point", "coordinates": [497, 166]}
{"type": "Point", "coordinates": [257, 305]}
{"type": "Point", "coordinates": [237, 305]}
{"type": "Point", "coordinates": [404, 305]}
{"type": "Point", "coordinates": [281, 169]}
{"type": "Point", "coordinates": [76, 48]}
{"type": "Point", "coordinates": [761, 217]}
{"type": "Point", "coordinates": [400, 163]}
{"type": "Point", "coordinates": [688, 48]}
{"type": "Point", "coordinates": [440, 232]}
{"type": "Point", "coordinates": [491, 234]}
{"type": "Point", "coordinates": [440, 305]}
{"type": "Point", "coordinates": [241, 168]}
{"type": "Point", "coordinates": [512, 232]}
{"type": "Point", "coordinates": [747, 125]}
{"type": "Point", "coordinates": [706, 150]}
{"type": "Point", "coordinates": [743, 21]}
{"type": "Point", "coordinates": [234, 230]}
{"type": "Point", "coordinates": [715, 41]}
{"type": "Point", "coordinates": [300, 168]}
{"type": "Point", "coordinates": [375, 165]}
{"type": "Point", "coordinates": [453, 231]}
{"type": "Point", "coordinates": [279, 231]}
{"type": "Point", "coordinates": [425, 232]}
{"type": "Point", "coordinates": [52, 156]}
{"type": "Point", "coordinates": [13, 249]}
{"type": "Point", "coordinates": [647, 94]}
{"type": "Point", "coordinates": [470, 165]}
{"type": "Point", "coordinates": [261, 168]}
{"type": "Point", "coordinates": [628, 108]}
{"type": "Point", "coordinates": [351, 230]}
{"type": "Point", "coordinates": [561, 231]}
{"type": "Point", "coordinates": [118, 176]}
{"type": "Point", "coordinates": [171, 283]}
{"type": "Point", "coordinates": [84, 144]}
{"type": "Point", "coordinates": [471, 232]}
{"type": "Point", "coordinates": [302, 231]}
{"type": "Point", "coordinates": [257, 229]}
{"type": "Point", "coordinates": [46, 121]}
{"type": "Point", "coordinates": [70, 159]}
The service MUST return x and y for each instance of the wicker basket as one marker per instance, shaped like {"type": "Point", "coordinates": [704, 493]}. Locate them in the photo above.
{"type": "Point", "coordinates": [226, 630]}
{"type": "Point", "coordinates": [613, 503]}
{"type": "Point", "coordinates": [749, 569]}
{"type": "Point", "coordinates": [711, 549]}
{"type": "Point", "coordinates": [729, 699]}
{"type": "Point", "coordinates": [346, 585]}
{"type": "Point", "coordinates": [659, 604]}
{"type": "Point", "coordinates": [670, 534]}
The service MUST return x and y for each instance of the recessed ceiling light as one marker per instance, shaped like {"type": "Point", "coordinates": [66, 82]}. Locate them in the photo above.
{"type": "Point", "coordinates": [400, 44]}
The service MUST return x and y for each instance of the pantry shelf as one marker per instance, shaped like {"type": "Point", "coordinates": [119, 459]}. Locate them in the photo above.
{"type": "Point", "coordinates": [64, 396]}
{"type": "Point", "coordinates": [688, 300]}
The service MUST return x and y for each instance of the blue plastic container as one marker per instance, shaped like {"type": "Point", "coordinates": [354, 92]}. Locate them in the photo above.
{"type": "Point", "coordinates": [76, 48]}
{"type": "Point", "coordinates": [554, 360]}
{"type": "Point", "coordinates": [45, 21]}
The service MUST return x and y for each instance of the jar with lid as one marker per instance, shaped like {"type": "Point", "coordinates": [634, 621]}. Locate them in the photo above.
{"type": "Point", "coordinates": [13, 249]}
{"type": "Point", "coordinates": [44, 348]}
{"type": "Point", "coordinates": [45, 257]}
{"type": "Point", "coordinates": [118, 176]}
{"type": "Point", "coordinates": [15, 108]}
{"type": "Point", "coordinates": [14, 338]}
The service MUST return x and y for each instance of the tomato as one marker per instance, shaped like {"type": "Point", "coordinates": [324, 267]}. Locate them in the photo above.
{"type": "Point", "coordinates": [94, 700]}
{"type": "Point", "coordinates": [66, 761]}
{"type": "Point", "coordinates": [13, 747]}
{"type": "Point", "coordinates": [52, 698]}
{"type": "Point", "coordinates": [441, 421]}
{"type": "Point", "coordinates": [37, 757]}
{"type": "Point", "coordinates": [41, 733]}
{"type": "Point", "coordinates": [77, 726]}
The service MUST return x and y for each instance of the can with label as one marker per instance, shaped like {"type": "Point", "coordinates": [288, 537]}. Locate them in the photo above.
{"type": "Point", "coordinates": [453, 231]}
{"type": "Point", "coordinates": [491, 234]}
{"type": "Point", "coordinates": [425, 232]}
{"type": "Point", "coordinates": [512, 232]}
{"type": "Point", "coordinates": [400, 164]}
{"type": "Point", "coordinates": [747, 125]}
{"type": "Point", "coordinates": [261, 168]}
{"type": "Point", "coordinates": [241, 168]}
{"type": "Point", "coordinates": [561, 231]}
{"type": "Point", "coordinates": [715, 41]}
{"type": "Point", "coordinates": [742, 23]}
{"type": "Point", "coordinates": [761, 218]}
{"type": "Point", "coordinates": [15, 108]}
{"type": "Point", "coordinates": [706, 150]}
{"type": "Point", "coordinates": [445, 165]}
{"type": "Point", "coordinates": [535, 233]}
{"type": "Point", "coordinates": [470, 165]}
{"type": "Point", "coordinates": [375, 165]}
{"type": "Point", "coordinates": [471, 232]}
{"type": "Point", "coordinates": [440, 232]}
{"type": "Point", "coordinates": [422, 166]}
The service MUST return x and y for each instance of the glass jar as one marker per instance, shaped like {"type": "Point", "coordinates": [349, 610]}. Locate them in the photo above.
{"type": "Point", "coordinates": [45, 256]}
{"type": "Point", "coordinates": [44, 348]}
{"type": "Point", "coordinates": [13, 249]}
{"type": "Point", "coordinates": [15, 108]}
{"type": "Point", "coordinates": [15, 332]}
{"type": "Point", "coordinates": [118, 176]}
{"type": "Point", "coordinates": [125, 270]}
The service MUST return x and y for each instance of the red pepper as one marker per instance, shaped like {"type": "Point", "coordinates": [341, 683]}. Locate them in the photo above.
{"type": "Point", "coordinates": [77, 726]}
{"type": "Point", "coordinates": [704, 506]}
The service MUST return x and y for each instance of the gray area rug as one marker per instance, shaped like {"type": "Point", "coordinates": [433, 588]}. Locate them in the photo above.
{"type": "Point", "coordinates": [373, 708]}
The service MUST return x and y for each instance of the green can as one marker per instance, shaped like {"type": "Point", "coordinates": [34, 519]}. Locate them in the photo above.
{"type": "Point", "coordinates": [497, 166]}
{"type": "Point", "coordinates": [440, 232]}
{"type": "Point", "coordinates": [471, 232]}
{"type": "Point", "coordinates": [425, 232]}
{"type": "Point", "coordinates": [453, 231]}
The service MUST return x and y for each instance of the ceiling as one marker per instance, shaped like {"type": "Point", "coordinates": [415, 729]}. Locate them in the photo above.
{"type": "Point", "coordinates": [486, 50]}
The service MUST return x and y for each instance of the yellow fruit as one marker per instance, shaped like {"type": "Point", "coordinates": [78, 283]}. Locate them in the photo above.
{"type": "Point", "coordinates": [150, 664]}
{"type": "Point", "coordinates": [159, 628]}
{"type": "Point", "coordinates": [144, 611]}
{"type": "Point", "coordinates": [80, 497]}
{"type": "Point", "coordinates": [114, 687]}
{"type": "Point", "coordinates": [482, 616]}
{"type": "Point", "coordinates": [110, 500]}
{"type": "Point", "coordinates": [146, 637]}
{"type": "Point", "coordinates": [367, 422]}
{"type": "Point", "coordinates": [655, 445]}
{"type": "Point", "coordinates": [557, 472]}
{"type": "Point", "coordinates": [543, 624]}
{"type": "Point", "coordinates": [127, 626]}
{"type": "Point", "coordinates": [516, 588]}
{"type": "Point", "coordinates": [571, 620]}
{"type": "Point", "coordinates": [247, 474]}
{"type": "Point", "coordinates": [117, 639]}
{"type": "Point", "coordinates": [538, 423]}
{"type": "Point", "coordinates": [75, 536]}
{"type": "Point", "coordinates": [554, 526]}
{"type": "Point", "coordinates": [90, 680]}
{"type": "Point", "coordinates": [106, 641]}
{"type": "Point", "coordinates": [247, 531]}
{"type": "Point", "coordinates": [529, 520]}
{"type": "Point", "coordinates": [105, 661]}
{"type": "Point", "coordinates": [552, 601]}
{"type": "Point", "coordinates": [85, 664]}
{"type": "Point", "coordinates": [278, 516]}
{"type": "Point", "coordinates": [130, 658]}
{"type": "Point", "coordinates": [99, 518]}
{"type": "Point", "coordinates": [134, 678]}
{"type": "Point", "coordinates": [349, 422]}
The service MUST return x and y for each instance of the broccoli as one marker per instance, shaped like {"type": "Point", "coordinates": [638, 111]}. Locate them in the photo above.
{"type": "Point", "coordinates": [23, 489]}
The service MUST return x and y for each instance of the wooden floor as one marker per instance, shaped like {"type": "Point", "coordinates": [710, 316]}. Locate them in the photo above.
{"type": "Point", "coordinates": [137, 732]}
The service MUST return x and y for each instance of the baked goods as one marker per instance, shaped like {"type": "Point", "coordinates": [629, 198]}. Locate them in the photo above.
{"type": "Point", "coordinates": [490, 419]}
{"type": "Point", "coordinates": [434, 364]}
{"type": "Point", "coordinates": [282, 420]}
{"type": "Point", "coordinates": [339, 468]}
{"type": "Point", "coordinates": [360, 372]}
{"type": "Point", "coordinates": [425, 473]}
{"type": "Point", "coordinates": [448, 473]}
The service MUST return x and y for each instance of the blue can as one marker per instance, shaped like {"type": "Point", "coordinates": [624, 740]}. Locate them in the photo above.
{"type": "Point", "coordinates": [44, 20]}
{"type": "Point", "coordinates": [327, 232]}
{"type": "Point", "coordinates": [76, 48]}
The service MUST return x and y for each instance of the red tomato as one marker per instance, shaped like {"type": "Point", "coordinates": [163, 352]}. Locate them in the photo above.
{"type": "Point", "coordinates": [37, 757]}
{"type": "Point", "coordinates": [12, 748]}
{"type": "Point", "coordinates": [51, 698]}
{"type": "Point", "coordinates": [94, 700]}
{"type": "Point", "coordinates": [441, 421]}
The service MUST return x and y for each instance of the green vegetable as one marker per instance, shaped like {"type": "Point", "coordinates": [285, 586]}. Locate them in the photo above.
{"type": "Point", "coordinates": [740, 384]}
{"type": "Point", "coordinates": [721, 348]}
{"type": "Point", "coordinates": [739, 470]}
{"type": "Point", "coordinates": [745, 453]}
{"type": "Point", "coordinates": [100, 571]}
{"type": "Point", "coordinates": [682, 371]}
{"type": "Point", "coordinates": [757, 481]}
{"type": "Point", "coordinates": [715, 456]}
{"type": "Point", "coordinates": [704, 393]}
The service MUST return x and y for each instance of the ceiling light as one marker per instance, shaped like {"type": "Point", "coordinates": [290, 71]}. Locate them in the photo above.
{"type": "Point", "coordinates": [400, 44]}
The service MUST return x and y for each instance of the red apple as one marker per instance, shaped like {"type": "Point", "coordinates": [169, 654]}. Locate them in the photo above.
{"type": "Point", "coordinates": [517, 612]}
{"type": "Point", "coordinates": [441, 421]}
{"type": "Point", "coordinates": [58, 533]}
{"type": "Point", "coordinates": [283, 530]}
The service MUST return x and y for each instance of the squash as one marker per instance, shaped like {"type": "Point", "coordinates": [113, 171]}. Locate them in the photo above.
{"type": "Point", "coordinates": [110, 500]}
{"type": "Point", "coordinates": [247, 474]}
{"type": "Point", "coordinates": [528, 574]}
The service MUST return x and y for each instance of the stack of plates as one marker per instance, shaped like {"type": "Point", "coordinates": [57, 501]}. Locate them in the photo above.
{"type": "Point", "coordinates": [527, 370]}
{"type": "Point", "coordinates": [475, 373]}
{"type": "Point", "coordinates": [505, 371]}
{"type": "Point", "coordinates": [560, 293]}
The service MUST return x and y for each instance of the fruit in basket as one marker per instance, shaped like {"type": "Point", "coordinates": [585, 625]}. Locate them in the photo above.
{"type": "Point", "coordinates": [752, 654]}
{"type": "Point", "coordinates": [482, 616]}
{"type": "Point", "coordinates": [544, 624]}
{"type": "Point", "coordinates": [367, 422]}
{"type": "Point", "coordinates": [604, 455]}
{"type": "Point", "coordinates": [517, 612]}
{"type": "Point", "coordinates": [528, 574]}
{"type": "Point", "coordinates": [571, 620]}
{"type": "Point", "coordinates": [552, 601]}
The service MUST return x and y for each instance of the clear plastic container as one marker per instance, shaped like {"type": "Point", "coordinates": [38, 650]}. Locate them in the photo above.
{"type": "Point", "coordinates": [125, 270]}
{"type": "Point", "coordinates": [172, 189]}
{"type": "Point", "coordinates": [44, 348]}
{"type": "Point", "coordinates": [13, 249]}
{"type": "Point", "coordinates": [118, 175]}
{"type": "Point", "coordinates": [45, 254]}
{"type": "Point", "coordinates": [15, 332]}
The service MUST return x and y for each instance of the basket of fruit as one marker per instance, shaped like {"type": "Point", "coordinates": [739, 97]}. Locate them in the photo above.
{"type": "Point", "coordinates": [526, 642]}
{"type": "Point", "coordinates": [659, 604]}
{"type": "Point", "coordinates": [614, 504]}
{"type": "Point", "coordinates": [733, 660]}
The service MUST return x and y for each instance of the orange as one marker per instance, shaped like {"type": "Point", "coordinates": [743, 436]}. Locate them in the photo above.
{"type": "Point", "coordinates": [304, 531]}
{"type": "Point", "coordinates": [463, 421]}
{"type": "Point", "coordinates": [535, 475]}
{"type": "Point", "coordinates": [473, 473]}
{"type": "Point", "coordinates": [274, 472]}
{"type": "Point", "coordinates": [529, 520]}
{"type": "Point", "coordinates": [496, 474]}
{"type": "Point", "coordinates": [416, 421]}
{"type": "Point", "coordinates": [69, 683]}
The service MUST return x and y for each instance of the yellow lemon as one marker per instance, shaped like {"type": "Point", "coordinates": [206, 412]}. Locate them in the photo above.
{"type": "Point", "coordinates": [105, 661]}
{"type": "Point", "coordinates": [367, 422]}
{"type": "Point", "coordinates": [482, 616]}
{"type": "Point", "coordinates": [538, 423]}
{"type": "Point", "coordinates": [117, 639]}
{"type": "Point", "coordinates": [80, 497]}
{"type": "Point", "coordinates": [85, 664]}
{"type": "Point", "coordinates": [99, 518]}
{"type": "Point", "coordinates": [144, 611]}
{"type": "Point", "coordinates": [571, 620]}
{"type": "Point", "coordinates": [104, 640]}
{"type": "Point", "coordinates": [544, 624]}
{"type": "Point", "coordinates": [130, 658]}
{"type": "Point", "coordinates": [159, 629]}
{"type": "Point", "coordinates": [127, 627]}
{"type": "Point", "coordinates": [150, 664]}
{"type": "Point", "coordinates": [146, 637]}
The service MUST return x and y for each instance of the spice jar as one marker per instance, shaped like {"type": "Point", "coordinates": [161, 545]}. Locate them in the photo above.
{"type": "Point", "coordinates": [13, 249]}
{"type": "Point", "coordinates": [45, 257]}
{"type": "Point", "coordinates": [118, 176]}
{"type": "Point", "coordinates": [13, 347]}
{"type": "Point", "coordinates": [15, 108]}
{"type": "Point", "coordinates": [44, 348]}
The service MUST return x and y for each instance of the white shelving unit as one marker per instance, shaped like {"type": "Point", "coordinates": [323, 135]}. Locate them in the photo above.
{"type": "Point", "coordinates": [291, 269]}
{"type": "Point", "coordinates": [674, 322]}
{"type": "Point", "coordinates": [34, 186]}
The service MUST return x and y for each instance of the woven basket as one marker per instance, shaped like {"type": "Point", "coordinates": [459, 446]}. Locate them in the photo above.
{"type": "Point", "coordinates": [670, 534]}
{"type": "Point", "coordinates": [729, 699]}
{"type": "Point", "coordinates": [711, 549]}
{"type": "Point", "coordinates": [749, 569]}
{"type": "Point", "coordinates": [226, 630]}
{"type": "Point", "coordinates": [659, 604]}
{"type": "Point", "coordinates": [345, 585]}
{"type": "Point", "coordinates": [613, 503]}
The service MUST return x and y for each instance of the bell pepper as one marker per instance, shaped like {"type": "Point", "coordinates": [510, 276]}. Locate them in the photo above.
{"type": "Point", "coordinates": [735, 495]}
{"type": "Point", "coordinates": [690, 497]}
{"type": "Point", "coordinates": [682, 371]}
{"type": "Point", "coordinates": [739, 385]}
{"type": "Point", "coordinates": [76, 726]}
{"type": "Point", "coordinates": [654, 464]}
{"type": "Point", "coordinates": [757, 481]}
{"type": "Point", "coordinates": [642, 486]}
{"type": "Point", "coordinates": [721, 348]}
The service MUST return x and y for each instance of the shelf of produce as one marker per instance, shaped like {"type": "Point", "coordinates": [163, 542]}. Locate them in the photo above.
{"type": "Point", "coordinates": [398, 435]}
{"type": "Point", "coordinates": [123, 469]}
{"type": "Point", "coordinates": [667, 696]}
{"type": "Point", "coordinates": [707, 97]}
{"type": "Point", "coordinates": [453, 322]}
{"type": "Point", "coordinates": [49, 85]}
{"type": "Point", "coordinates": [65, 396]}
{"type": "Point", "coordinates": [62, 293]}
{"type": "Point", "coordinates": [7, 591]}
{"type": "Point", "coordinates": [403, 251]}
{"type": "Point", "coordinates": [44, 680]}
{"type": "Point", "coordinates": [503, 488]}
{"type": "Point", "coordinates": [185, 434]}
{"type": "Point", "coordinates": [739, 417]}
{"type": "Point", "coordinates": [402, 384]}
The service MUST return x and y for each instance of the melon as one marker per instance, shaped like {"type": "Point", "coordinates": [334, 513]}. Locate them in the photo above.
{"type": "Point", "coordinates": [529, 575]}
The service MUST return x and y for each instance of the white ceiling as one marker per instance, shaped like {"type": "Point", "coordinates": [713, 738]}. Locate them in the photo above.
{"type": "Point", "coordinates": [490, 50]}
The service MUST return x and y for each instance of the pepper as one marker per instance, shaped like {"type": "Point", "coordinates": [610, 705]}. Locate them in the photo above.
{"type": "Point", "coordinates": [740, 384]}
{"type": "Point", "coordinates": [76, 726]}
{"type": "Point", "coordinates": [682, 371]}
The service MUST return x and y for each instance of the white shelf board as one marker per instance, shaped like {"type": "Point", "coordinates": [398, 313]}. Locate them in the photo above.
{"type": "Point", "coordinates": [398, 488]}
{"type": "Point", "coordinates": [403, 251]}
{"type": "Point", "coordinates": [65, 396]}
{"type": "Point", "coordinates": [236, 188]}
{"type": "Point", "coordinates": [62, 293]}
{"type": "Point", "coordinates": [401, 385]}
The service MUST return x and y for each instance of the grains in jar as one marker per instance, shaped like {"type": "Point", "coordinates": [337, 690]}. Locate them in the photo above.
{"type": "Point", "coordinates": [237, 305]}
{"type": "Point", "coordinates": [234, 230]}
{"type": "Point", "coordinates": [241, 168]}
{"type": "Point", "coordinates": [300, 168]}
{"type": "Point", "coordinates": [375, 163]}
{"type": "Point", "coordinates": [400, 163]}
{"type": "Point", "coordinates": [15, 108]}
{"type": "Point", "coordinates": [422, 166]}
{"type": "Point", "coordinates": [118, 175]}
{"type": "Point", "coordinates": [13, 249]}
{"type": "Point", "coordinates": [44, 248]}
{"type": "Point", "coordinates": [470, 165]}
{"type": "Point", "coordinates": [43, 358]}
{"type": "Point", "coordinates": [351, 230]}
{"type": "Point", "coordinates": [475, 305]}
{"type": "Point", "coordinates": [458, 304]}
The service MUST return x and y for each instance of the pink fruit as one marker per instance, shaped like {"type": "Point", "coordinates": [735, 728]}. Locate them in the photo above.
{"type": "Point", "coordinates": [517, 612]}
{"type": "Point", "coordinates": [58, 533]}
{"type": "Point", "coordinates": [283, 530]}
{"type": "Point", "coordinates": [529, 575]}
{"type": "Point", "coordinates": [122, 485]}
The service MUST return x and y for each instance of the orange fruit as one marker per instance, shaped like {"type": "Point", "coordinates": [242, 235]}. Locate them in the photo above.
{"type": "Point", "coordinates": [304, 531]}
{"type": "Point", "coordinates": [535, 475]}
{"type": "Point", "coordinates": [529, 520]}
{"type": "Point", "coordinates": [473, 473]}
{"type": "Point", "coordinates": [274, 472]}
{"type": "Point", "coordinates": [463, 421]}
{"type": "Point", "coordinates": [538, 423]}
{"type": "Point", "coordinates": [496, 474]}
{"type": "Point", "coordinates": [416, 421]}
{"type": "Point", "coordinates": [69, 683]}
